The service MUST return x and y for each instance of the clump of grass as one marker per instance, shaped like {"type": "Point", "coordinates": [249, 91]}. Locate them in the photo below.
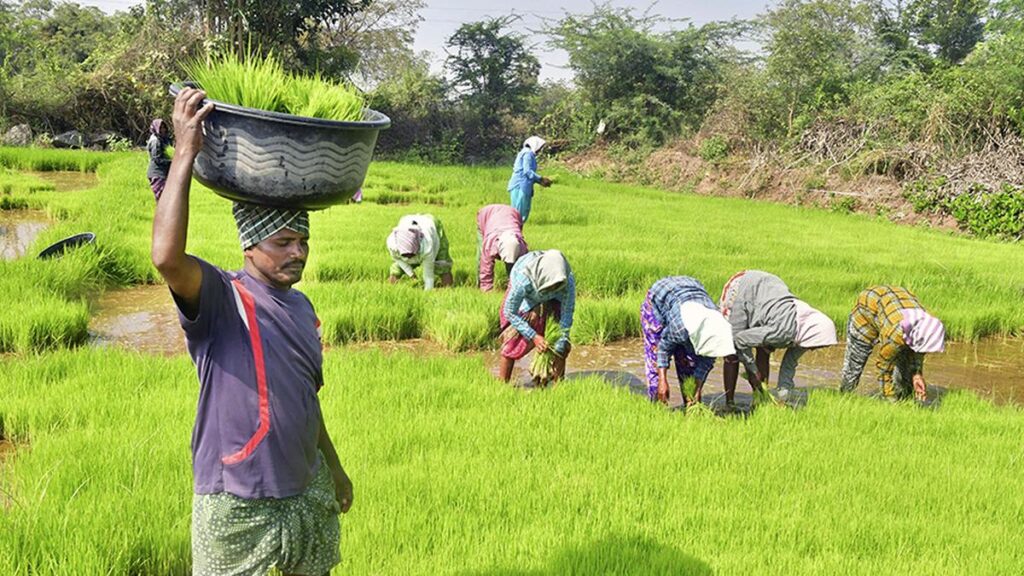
{"type": "Point", "coordinates": [263, 83]}
{"type": "Point", "coordinates": [45, 160]}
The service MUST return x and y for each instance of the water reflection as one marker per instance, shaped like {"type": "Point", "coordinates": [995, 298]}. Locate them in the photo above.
{"type": "Point", "coordinates": [18, 229]}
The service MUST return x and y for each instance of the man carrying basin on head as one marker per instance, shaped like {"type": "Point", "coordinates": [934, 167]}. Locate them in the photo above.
{"type": "Point", "coordinates": [765, 315]}
{"type": "Point", "coordinates": [499, 237]}
{"type": "Point", "coordinates": [893, 318]}
{"type": "Point", "coordinates": [541, 285]}
{"type": "Point", "coordinates": [419, 239]}
{"type": "Point", "coordinates": [267, 481]}
{"type": "Point", "coordinates": [680, 321]}
{"type": "Point", "coordinates": [524, 176]}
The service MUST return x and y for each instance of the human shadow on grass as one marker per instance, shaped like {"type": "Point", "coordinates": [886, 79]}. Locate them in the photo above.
{"type": "Point", "coordinates": [615, 554]}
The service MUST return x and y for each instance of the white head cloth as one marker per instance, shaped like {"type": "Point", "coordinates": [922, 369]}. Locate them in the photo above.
{"type": "Point", "coordinates": [710, 332]}
{"type": "Point", "coordinates": [813, 328]}
{"type": "Point", "coordinates": [923, 332]}
{"type": "Point", "coordinates": [509, 247]}
{"type": "Point", "coordinates": [535, 143]}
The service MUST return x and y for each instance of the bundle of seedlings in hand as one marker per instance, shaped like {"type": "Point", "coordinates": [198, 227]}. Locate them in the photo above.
{"type": "Point", "coordinates": [689, 390]}
{"type": "Point", "coordinates": [263, 83]}
{"type": "Point", "coordinates": [542, 367]}
{"type": "Point", "coordinates": [762, 397]}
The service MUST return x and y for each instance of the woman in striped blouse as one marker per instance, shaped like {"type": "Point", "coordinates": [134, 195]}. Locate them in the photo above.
{"type": "Point", "coordinates": [680, 321]}
{"type": "Point", "coordinates": [540, 285]}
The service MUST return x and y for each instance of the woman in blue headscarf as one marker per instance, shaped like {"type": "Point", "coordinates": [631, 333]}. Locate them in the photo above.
{"type": "Point", "coordinates": [524, 176]}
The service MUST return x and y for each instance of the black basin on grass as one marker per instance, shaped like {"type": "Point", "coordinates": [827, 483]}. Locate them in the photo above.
{"type": "Point", "coordinates": [283, 160]}
{"type": "Point", "coordinates": [57, 249]}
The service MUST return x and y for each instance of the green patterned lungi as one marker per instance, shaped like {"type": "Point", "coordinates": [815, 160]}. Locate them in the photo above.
{"type": "Point", "coordinates": [296, 535]}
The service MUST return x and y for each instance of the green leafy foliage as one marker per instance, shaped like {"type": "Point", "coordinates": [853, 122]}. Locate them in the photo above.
{"type": "Point", "coordinates": [997, 213]}
{"type": "Point", "coordinates": [713, 149]}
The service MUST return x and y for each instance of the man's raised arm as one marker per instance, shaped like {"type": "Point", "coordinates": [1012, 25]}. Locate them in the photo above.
{"type": "Point", "coordinates": [170, 223]}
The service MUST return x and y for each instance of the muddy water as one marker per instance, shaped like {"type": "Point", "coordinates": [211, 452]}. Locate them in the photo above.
{"type": "Point", "coordinates": [140, 318]}
{"type": "Point", "coordinates": [993, 368]}
{"type": "Point", "coordinates": [18, 229]}
{"type": "Point", "coordinates": [143, 318]}
{"type": "Point", "coordinates": [66, 181]}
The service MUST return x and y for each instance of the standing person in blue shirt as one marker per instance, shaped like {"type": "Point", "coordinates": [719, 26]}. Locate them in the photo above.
{"type": "Point", "coordinates": [680, 321]}
{"type": "Point", "coordinates": [524, 176]}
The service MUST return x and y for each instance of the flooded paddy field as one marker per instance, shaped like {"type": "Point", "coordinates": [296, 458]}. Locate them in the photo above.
{"type": "Point", "coordinates": [140, 318]}
{"type": "Point", "coordinates": [143, 318]}
{"type": "Point", "coordinates": [68, 180]}
{"type": "Point", "coordinates": [457, 473]}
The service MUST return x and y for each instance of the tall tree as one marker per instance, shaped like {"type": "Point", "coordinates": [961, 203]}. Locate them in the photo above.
{"type": "Point", "coordinates": [622, 63]}
{"type": "Point", "coordinates": [381, 38]}
{"type": "Point", "coordinates": [817, 49]}
{"type": "Point", "coordinates": [294, 30]}
{"type": "Point", "coordinates": [950, 27]}
{"type": "Point", "coordinates": [491, 68]}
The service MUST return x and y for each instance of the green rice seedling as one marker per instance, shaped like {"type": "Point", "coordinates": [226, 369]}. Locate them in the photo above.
{"type": "Point", "coordinates": [542, 365]}
{"type": "Point", "coordinates": [462, 318]}
{"type": "Point", "coordinates": [763, 397]}
{"type": "Point", "coordinates": [262, 83]}
{"type": "Point", "coordinates": [49, 160]}
{"type": "Point", "coordinates": [604, 320]}
{"type": "Point", "coordinates": [245, 80]}
{"type": "Point", "coordinates": [317, 97]}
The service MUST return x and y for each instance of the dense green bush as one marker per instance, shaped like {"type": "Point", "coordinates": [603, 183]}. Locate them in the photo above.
{"type": "Point", "coordinates": [713, 149]}
{"type": "Point", "coordinates": [997, 213]}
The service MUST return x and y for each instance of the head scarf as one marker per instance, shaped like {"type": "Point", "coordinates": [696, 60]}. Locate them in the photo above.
{"type": "Point", "coordinates": [404, 240]}
{"type": "Point", "coordinates": [547, 270]}
{"type": "Point", "coordinates": [155, 125]}
{"type": "Point", "coordinates": [535, 143]}
{"type": "Point", "coordinates": [923, 332]}
{"type": "Point", "coordinates": [813, 328]}
{"type": "Point", "coordinates": [510, 248]}
{"type": "Point", "coordinates": [257, 223]}
{"type": "Point", "coordinates": [710, 333]}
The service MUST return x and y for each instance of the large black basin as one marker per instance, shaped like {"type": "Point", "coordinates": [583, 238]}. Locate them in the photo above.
{"type": "Point", "coordinates": [283, 160]}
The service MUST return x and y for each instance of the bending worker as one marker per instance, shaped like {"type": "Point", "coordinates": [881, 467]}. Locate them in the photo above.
{"type": "Point", "coordinates": [499, 237]}
{"type": "Point", "coordinates": [541, 285]}
{"type": "Point", "coordinates": [893, 318]}
{"type": "Point", "coordinates": [765, 315]}
{"type": "Point", "coordinates": [679, 320]}
{"type": "Point", "coordinates": [420, 239]}
{"type": "Point", "coordinates": [268, 484]}
{"type": "Point", "coordinates": [524, 176]}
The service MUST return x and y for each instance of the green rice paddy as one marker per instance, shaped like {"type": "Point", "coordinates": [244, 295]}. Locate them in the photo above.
{"type": "Point", "coordinates": [457, 474]}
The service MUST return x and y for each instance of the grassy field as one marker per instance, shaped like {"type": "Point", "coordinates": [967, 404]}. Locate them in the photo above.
{"type": "Point", "coordinates": [457, 474]}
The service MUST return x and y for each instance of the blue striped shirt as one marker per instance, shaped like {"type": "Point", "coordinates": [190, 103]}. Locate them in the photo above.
{"type": "Point", "coordinates": [523, 297]}
{"type": "Point", "coordinates": [666, 296]}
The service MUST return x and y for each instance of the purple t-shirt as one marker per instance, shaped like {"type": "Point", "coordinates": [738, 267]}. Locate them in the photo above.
{"type": "Point", "coordinates": [257, 426]}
